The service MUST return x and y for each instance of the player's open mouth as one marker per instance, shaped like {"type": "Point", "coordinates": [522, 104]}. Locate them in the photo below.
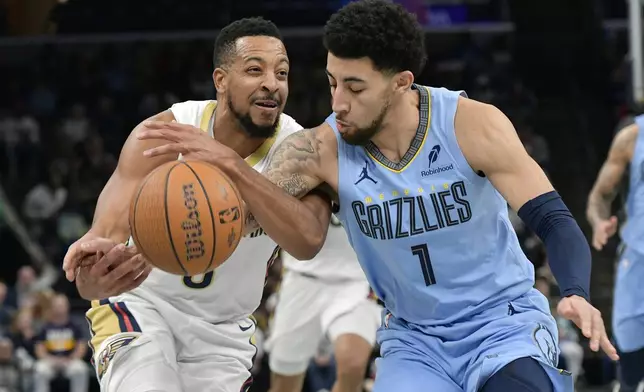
{"type": "Point", "coordinates": [266, 104]}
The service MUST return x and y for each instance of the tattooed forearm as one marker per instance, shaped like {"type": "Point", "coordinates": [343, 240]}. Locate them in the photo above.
{"type": "Point", "coordinates": [599, 206]}
{"type": "Point", "coordinates": [610, 175]}
{"type": "Point", "coordinates": [295, 185]}
{"type": "Point", "coordinates": [295, 163]}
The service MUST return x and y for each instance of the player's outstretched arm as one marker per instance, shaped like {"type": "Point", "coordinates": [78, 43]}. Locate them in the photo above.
{"type": "Point", "coordinates": [491, 146]}
{"type": "Point", "coordinates": [298, 226]}
{"type": "Point", "coordinates": [110, 223]}
{"type": "Point", "coordinates": [598, 211]}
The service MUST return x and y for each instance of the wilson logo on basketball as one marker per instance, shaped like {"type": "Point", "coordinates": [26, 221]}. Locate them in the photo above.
{"type": "Point", "coordinates": [192, 225]}
{"type": "Point", "coordinates": [186, 217]}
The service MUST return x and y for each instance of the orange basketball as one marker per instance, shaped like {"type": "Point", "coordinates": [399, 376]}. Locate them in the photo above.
{"type": "Point", "coordinates": [186, 217]}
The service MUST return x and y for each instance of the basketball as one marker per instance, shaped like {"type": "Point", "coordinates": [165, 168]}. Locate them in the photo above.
{"type": "Point", "coordinates": [186, 217]}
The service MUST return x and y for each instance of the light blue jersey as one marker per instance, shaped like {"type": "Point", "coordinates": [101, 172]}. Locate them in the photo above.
{"type": "Point", "coordinates": [628, 307]}
{"type": "Point", "coordinates": [436, 245]}
{"type": "Point", "coordinates": [633, 232]}
{"type": "Point", "coordinates": [433, 236]}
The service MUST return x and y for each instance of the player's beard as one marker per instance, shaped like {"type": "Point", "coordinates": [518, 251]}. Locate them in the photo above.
{"type": "Point", "coordinates": [252, 129]}
{"type": "Point", "coordinates": [361, 136]}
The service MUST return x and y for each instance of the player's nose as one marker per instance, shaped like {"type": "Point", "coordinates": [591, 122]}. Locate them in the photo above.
{"type": "Point", "coordinates": [338, 102]}
{"type": "Point", "coordinates": [270, 82]}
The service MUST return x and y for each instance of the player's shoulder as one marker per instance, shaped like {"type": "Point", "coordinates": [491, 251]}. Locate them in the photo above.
{"type": "Point", "coordinates": [628, 133]}
{"type": "Point", "coordinates": [623, 145]}
{"type": "Point", "coordinates": [288, 125]}
{"type": "Point", "coordinates": [476, 116]}
{"type": "Point", "coordinates": [189, 112]}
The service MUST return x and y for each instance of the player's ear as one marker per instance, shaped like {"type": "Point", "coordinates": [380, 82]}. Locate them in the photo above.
{"type": "Point", "coordinates": [219, 78]}
{"type": "Point", "coordinates": [403, 81]}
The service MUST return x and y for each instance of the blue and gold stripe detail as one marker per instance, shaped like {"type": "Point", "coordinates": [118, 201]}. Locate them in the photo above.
{"type": "Point", "coordinates": [107, 319]}
{"type": "Point", "coordinates": [247, 384]}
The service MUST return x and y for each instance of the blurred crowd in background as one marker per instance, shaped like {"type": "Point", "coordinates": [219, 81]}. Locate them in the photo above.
{"type": "Point", "coordinates": [66, 110]}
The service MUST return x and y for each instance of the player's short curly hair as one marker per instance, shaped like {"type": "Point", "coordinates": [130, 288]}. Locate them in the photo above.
{"type": "Point", "coordinates": [247, 27]}
{"type": "Point", "coordinates": [383, 31]}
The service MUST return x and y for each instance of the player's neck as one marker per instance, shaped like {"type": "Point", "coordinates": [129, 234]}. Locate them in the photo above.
{"type": "Point", "coordinates": [229, 132]}
{"type": "Point", "coordinates": [399, 127]}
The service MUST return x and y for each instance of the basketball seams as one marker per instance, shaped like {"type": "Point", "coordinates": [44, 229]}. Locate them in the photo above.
{"type": "Point", "coordinates": [241, 204]}
{"type": "Point", "coordinates": [212, 215]}
{"type": "Point", "coordinates": [133, 219]}
{"type": "Point", "coordinates": [156, 215]}
{"type": "Point", "coordinates": [167, 218]}
{"type": "Point", "coordinates": [241, 201]}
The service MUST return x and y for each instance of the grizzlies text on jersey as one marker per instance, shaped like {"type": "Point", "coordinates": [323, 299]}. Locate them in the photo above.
{"type": "Point", "coordinates": [433, 236]}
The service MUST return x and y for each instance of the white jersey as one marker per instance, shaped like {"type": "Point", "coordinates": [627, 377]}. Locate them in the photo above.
{"type": "Point", "coordinates": [336, 260]}
{"type": "Point", "coordinates": [233, 290]}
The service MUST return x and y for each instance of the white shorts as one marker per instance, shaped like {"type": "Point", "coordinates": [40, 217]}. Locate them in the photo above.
{"type": "Point", "coordinates": [308, 309]}
{"type": "Point", "coordinates": [146, 345]}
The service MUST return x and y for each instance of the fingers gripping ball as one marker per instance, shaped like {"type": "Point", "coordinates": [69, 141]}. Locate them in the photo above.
{"type": "Point", "coordinates": [186, 217]}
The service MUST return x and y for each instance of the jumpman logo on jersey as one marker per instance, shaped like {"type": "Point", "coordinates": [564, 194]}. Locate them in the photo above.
{"type": "Point", "coordinates": [365, 174]}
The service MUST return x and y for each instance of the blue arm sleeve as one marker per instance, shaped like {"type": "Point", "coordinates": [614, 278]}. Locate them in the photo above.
{"type": "Point", "coordinates": [567, 248]}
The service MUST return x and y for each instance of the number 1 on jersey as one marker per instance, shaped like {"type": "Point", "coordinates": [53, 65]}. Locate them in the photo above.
{"type": "Point", "coordinates": [425, 263]}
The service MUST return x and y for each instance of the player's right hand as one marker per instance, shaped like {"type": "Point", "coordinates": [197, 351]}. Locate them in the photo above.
{"type": "Point", "coordinates": [74, 256]}
{"type": "Point", "coordinates": [118, 269]}
{"type": "Point", "coordinates": [602, 231]}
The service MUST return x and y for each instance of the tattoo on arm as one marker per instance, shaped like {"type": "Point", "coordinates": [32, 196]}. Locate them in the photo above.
{"type": "Point", "coordinates": [606, 186]}
{"type": "Point", "coordinates": [294, 163]}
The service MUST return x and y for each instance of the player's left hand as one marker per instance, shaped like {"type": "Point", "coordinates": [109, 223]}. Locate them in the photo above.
{"type": "Point", "coordinates": [191, 142]}
{"type": "Point", "coordinates": [589, 320]}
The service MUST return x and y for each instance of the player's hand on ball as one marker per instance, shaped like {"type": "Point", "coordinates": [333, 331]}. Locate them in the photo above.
{"type": "Point", "coordinates": [75, 256]}
{"type": "Point", "coordinates": [189, 141]}
{"type": "Point", "coordinates": [121, 268]}
{"type": "Point", "coordinates": [602, 231]}
{"type": "Point", "coordinates": [589, 320]}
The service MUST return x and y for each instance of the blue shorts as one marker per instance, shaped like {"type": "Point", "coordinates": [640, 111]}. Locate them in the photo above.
{"type": "Point", "coordinates": [628, 306]}
{"type": "Point", "coordinates": [462, 356]}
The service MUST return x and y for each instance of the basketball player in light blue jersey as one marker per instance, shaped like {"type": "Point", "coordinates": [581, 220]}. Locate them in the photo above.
{"type": "Point", "coordinates": [627, 151]}
{"type": "Point", "coordinates": [422, 177]}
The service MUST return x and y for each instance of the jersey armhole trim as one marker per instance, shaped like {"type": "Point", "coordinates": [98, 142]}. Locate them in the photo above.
{"type": "Point", "coordinates": [461, 162]}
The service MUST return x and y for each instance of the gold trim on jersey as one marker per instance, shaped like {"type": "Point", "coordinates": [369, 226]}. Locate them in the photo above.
{"type": "Point", "coordinates": [207, 114]}
{"type": "Point", "coordinates": [429, 122]}
{"type": "Point", "coordinates": [107, 319]}
{"type": "Point", "coordinates": [263, 150]}
{"type": "Point", "coordinates": [257, 155]}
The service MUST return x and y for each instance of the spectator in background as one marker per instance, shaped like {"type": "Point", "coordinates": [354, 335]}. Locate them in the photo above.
{"type": "Point", "coordinates": [10, 374]}
{"type": "Point", "coordinates": [5, 311]}
{"type": "Point", "coordinates": [94, 167]}
{"type": "Point", "coordinates": [19, 136]}
{"type": "Point", "coordinates": [75, 128]}
{"type": "Point", "coordinates": [60, 349]}
{"type": "Point", "coordinates": [39, 303]}
{"type": "Point", "coordinates": [44, 201]}
{"type": "Point", "coordinates": [25, 286]}
{"type": "Point", "coordinates": [23, 336]}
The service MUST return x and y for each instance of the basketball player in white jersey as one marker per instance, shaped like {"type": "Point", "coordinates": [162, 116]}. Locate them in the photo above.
{"type": "Point", "coordinates": [326, 296]}
{"type": "Point", "coordinates": [172, 333]}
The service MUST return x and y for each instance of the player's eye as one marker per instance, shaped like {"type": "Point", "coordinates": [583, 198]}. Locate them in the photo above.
{"type": "Point", "coordinates": [283, 74]}
{"type": "Point", "coordinates": [254, 70]}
